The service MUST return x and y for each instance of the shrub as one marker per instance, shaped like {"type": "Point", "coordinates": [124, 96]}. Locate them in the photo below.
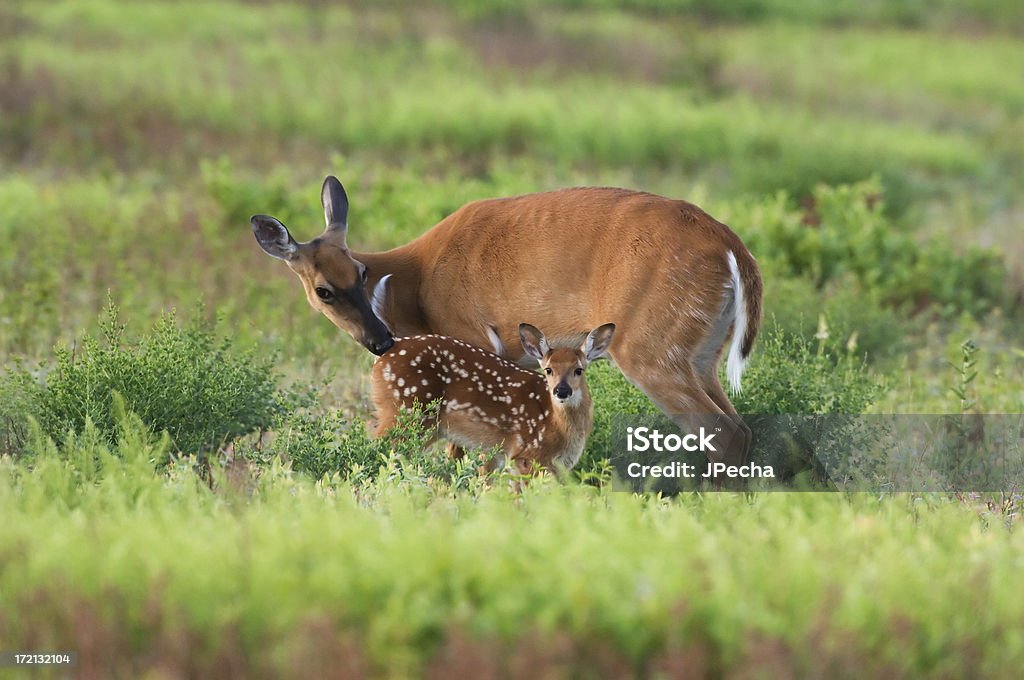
{"type": "Point", "coordinates": [789, 374]}
{"type": "Point", "coordinates": [336, 443]}
{"type": "Point", "coordinates": [800, 399]}
{"type": "Point", "coordinates": [120, 461]}
{"type": "Point", "coordinates": [844, 231]}
{"type": "Point", "coordinates": [17, 402]}
{"type": "Point", "coordinates": [184, 380]}
{"type": "Point", "coordinates": [854, 319]}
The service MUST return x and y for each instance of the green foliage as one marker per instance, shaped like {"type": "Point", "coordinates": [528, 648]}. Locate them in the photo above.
{"type": "Point", "coordinates": [972, 450]}
{"type": "Point", "coordinates": [1003, 15]}
{"type": "Point", "coordinates": [320, 445]}
{"type": "Point", "coordinates": [236, 194]}
{"type": "Point", "coordinates": [921, 381]}
{"type": "Point", "coordinates": [846, 232]}
{"type": "Point", "coordinates": [854, 319]}
{"type": "Point", "coordinates": [137, 138]}
{"type": "Point", "coordinates": [793, 374]}
{"type": "Point", "coordinates": [799, 395]}
{"type": "Point", "coordinates": [613, 397]}
{"type": "Point", "coordinates": [321, 83]}
{"type": "Point", "coordinates": [336, 444]}
{"type": "Point", "coordinates": [966, 372]}
{"type": "Point", "coordinates": [185, 380]}
{"type": "Point", "coordinates": [121, 462]}
{"type": "Point", "coordinates": [17, 404]}
{"type": "Point", "coordinates": [410, 577]}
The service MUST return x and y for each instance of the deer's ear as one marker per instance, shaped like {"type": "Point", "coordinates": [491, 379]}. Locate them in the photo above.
{"type": "Point", "coordinates": [598, 341]}
{"type": "Point", "coordinates": [273, 237]}
{"type": "Point", "coordinates": [534, 342]}
{"type": "Point", "coordinates": [335, 202]}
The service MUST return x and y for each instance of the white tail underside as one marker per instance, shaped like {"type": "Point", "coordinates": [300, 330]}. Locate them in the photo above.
{"type": "Point", "coordinates": [736, 362]}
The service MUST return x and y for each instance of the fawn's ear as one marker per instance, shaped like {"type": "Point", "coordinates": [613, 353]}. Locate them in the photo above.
{"type": "Point", "coordinates": [273, 237]}
{"type": "Point", "coordinates": [534, 342]}
{"type": "Point", "coordinates": [598, 341]}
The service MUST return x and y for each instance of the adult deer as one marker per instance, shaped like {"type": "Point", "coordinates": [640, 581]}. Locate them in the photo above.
{"type": "Point", "coordinates": [676, 282]}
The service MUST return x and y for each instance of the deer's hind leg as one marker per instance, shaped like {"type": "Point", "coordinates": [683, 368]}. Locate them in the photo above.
{"type": "Point", "coordinates": [713, 388]}
{"type": "Point", "coordinates": [387, 411]}
{"type": "Point", "coordinates": [683, 395]}
{"type": "Point", "coordinates": [384, 416]}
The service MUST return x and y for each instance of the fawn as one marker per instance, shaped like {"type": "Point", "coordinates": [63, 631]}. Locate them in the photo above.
{"type": "Point", "coordinates": [487, 401]}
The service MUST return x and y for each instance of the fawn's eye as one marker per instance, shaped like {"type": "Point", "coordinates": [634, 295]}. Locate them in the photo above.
{"type": "Point", "coordinates": [548, 370]}
{"type": "Point", "coordinates": [578, 372]}
{"type": "Point", "coordinates": [324, 294]}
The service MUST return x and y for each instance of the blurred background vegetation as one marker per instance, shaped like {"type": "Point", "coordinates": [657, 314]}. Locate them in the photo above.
{"type": "Point", "coordinates": [869, 153]}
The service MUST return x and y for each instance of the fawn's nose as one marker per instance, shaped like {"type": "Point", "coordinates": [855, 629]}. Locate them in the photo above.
{"type": "Point", "coordinates": [562, 391]}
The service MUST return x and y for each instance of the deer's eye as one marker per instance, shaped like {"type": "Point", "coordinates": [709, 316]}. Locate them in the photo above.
{"type": "Point", "coordinates": [578, 372]}
{"type": "Point", "coordinates": [324, 294]}
{"type": "Point", "coordinates": [548, 370]}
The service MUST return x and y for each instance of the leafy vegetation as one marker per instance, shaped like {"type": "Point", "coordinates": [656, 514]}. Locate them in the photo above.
{"type": "Point", "coordinates": [186, 382]}
{"type": "Point", "coordinates": [845, 232]}
{"type": "Point", "coordinates": [867, 152]}
{"type": "Point", "coordinates": [400, 577]}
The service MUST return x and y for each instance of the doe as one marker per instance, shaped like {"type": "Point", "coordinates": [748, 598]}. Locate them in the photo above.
{"type": "Point", "coordinates": [486, 401]}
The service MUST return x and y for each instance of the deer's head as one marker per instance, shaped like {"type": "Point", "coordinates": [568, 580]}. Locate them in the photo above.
{"type": "Point", "coordinates": [564, 367]}
{"type": "Point", "coordinates": [335, 282]}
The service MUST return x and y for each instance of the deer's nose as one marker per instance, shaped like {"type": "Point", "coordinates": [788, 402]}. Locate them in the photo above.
{"type": "Point", "coordinates": [562, 391]}
{"type": "Point", "coordinates": [378, 347]}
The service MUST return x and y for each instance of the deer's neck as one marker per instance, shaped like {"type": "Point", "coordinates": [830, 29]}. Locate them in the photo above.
{"type": "Point", "coordinates": [400, 297]}
{"type": "Point", "coordinates": [573, 424]}
{"type": "Point", "coordinates": [574, 418]}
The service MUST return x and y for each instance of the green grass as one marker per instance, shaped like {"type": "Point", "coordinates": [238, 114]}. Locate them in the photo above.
{"type": "Point", "coordinates": [804, 583]}
{"type": "Point", "coordinates": [328, 77]}
{"type": "Point", "coordinates": [868, 153]}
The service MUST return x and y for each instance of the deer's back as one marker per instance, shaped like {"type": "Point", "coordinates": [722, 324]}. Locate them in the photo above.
{"type": "Point", "coordinates": [570, 260]}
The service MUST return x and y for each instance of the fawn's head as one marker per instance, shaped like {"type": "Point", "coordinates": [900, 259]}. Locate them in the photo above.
{"type": "Point", "coordinates": [335, 282]}
{"type": "Point", "coordinates": [564, 367]}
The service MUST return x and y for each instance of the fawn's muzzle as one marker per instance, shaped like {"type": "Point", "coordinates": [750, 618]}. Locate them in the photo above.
{"type": "Point", "coordinates": [562, 391]}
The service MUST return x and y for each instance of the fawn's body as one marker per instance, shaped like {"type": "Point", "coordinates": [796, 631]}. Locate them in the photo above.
{"type": "Point", "coordinates": [486, 401]}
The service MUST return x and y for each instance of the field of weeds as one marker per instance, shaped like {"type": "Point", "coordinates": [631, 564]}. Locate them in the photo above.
{"type": "Point", "coordinates": [186, 485]}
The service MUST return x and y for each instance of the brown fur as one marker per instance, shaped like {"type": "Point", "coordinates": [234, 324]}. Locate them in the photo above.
{"type": "Point", "coordinates": [568, 260]}
{"type": "Point", "coordinates": [487, 401]}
